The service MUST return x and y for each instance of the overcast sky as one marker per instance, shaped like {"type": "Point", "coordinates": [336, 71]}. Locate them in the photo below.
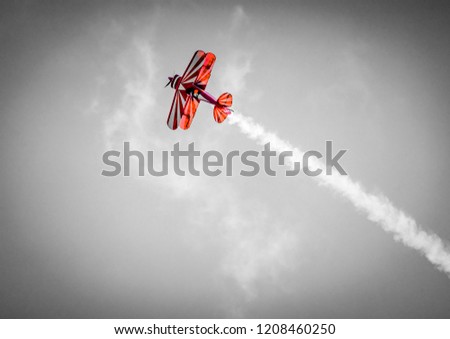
{"type": "Point", "coordinates": [78, 79]}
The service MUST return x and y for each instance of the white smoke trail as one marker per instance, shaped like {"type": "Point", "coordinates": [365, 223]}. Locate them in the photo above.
{"type": "Point", "coordinates": [377, 207]}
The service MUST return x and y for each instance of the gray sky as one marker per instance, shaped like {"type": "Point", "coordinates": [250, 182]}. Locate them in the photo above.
{"type": "Point", "coordinates": [79, 79]}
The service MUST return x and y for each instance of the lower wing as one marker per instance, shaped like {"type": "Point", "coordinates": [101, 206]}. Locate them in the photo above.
{"type": "Point", "coordinates": [176, 110]}
{"type": "Point", "coordinates": [182, 111]}
{"type": "Point", "coordinates": [189, 112]}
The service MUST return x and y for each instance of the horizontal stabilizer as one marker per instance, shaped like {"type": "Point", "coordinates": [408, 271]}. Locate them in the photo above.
{"type": "Point", "coordinates": [220, 113]}
{"type": "Point", "coordinates": [226, 99]}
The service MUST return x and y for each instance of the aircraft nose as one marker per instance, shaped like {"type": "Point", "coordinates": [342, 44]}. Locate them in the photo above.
{"type": "Point", "coordinates": [170, 80]}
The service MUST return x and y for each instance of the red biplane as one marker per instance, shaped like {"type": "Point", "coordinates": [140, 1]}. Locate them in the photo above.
{"type": "Point", "coordinates": [190, 90]}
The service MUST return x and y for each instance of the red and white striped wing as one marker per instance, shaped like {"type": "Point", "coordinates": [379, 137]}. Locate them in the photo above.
{"type": "Point", "coordinates": [205, 71]}
{"type": "Point", "coordinates": [189, 112]}
{"type": "Point", "coordinates": [193, 69]}
{"type": "Point", "coordinates": [176, 110]}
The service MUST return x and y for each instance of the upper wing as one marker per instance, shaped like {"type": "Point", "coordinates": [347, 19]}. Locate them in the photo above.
{"type": "Point", "coordinates": [198, 70]}
{"type": "Point", "coordinates": [193, 69]}
{"type": "Point", "coordinates": [205, 71]}
{"type": "Point", "coordinates": [176, 110]}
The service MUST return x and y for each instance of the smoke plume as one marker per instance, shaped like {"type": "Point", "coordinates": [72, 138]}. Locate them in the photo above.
{"type": "Point", "coordinates": [376, 207]}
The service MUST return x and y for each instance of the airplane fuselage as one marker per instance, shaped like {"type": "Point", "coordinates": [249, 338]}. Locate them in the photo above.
{"type": "Point", "coordinates": [201, 94]}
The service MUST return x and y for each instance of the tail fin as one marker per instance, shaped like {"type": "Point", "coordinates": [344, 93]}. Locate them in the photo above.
{"type": "Point", "coordinates": [220, 113]}
{"type": "Point", "coordinates": [226, 99]}
{"type": "Point", "coordinates": [221, 110]}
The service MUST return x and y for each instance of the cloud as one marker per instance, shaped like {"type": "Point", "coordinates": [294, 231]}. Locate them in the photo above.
{"type": "Point", "coordinates": [136, 69]}
{"type": "Point", "coordinates": [348, 88]}
{"type": "Point", "coordinates": [238, 62]}
{"type": "Point", "coordinates": [253, 247]}
{"type": "Point", "coordinates": [132, 117]}
{"type": "Point", "coordinates": [258, 249]}
{"type": "Point", "coordinates": [238, 18]}
{"type": "Point", "coordinates": [237, 68]}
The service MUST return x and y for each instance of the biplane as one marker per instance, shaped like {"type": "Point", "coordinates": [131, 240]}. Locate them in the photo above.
{"type": "Point", "coordinates": [190, 90]}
